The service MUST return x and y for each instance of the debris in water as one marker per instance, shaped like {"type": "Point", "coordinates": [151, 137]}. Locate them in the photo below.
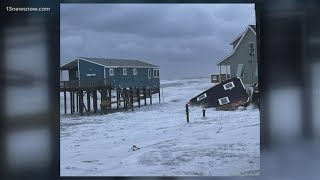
{"type": "Point", "coordinates": [134, 148]}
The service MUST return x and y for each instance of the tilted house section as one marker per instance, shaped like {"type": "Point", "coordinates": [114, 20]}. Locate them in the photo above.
{"type": "Point", "coordinates": [118, 72]}
{"type": "Point", "coordinates": [242, 61]}
{"type": "Point", "coordinates": [228, 94]}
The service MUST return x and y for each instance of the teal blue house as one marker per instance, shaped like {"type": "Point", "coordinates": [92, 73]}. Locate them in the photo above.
{"type": "Point", "coordinates": [121, 73]}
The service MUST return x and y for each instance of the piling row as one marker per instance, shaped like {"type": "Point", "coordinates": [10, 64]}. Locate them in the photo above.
{"type": "Point", "coordinates": [125, 98]}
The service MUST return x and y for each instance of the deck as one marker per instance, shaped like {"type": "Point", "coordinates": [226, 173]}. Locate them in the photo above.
{"type": "Point", "coordinates": [85, 84]}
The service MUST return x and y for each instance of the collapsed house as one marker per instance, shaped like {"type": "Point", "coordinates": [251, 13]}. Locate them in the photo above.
{"type": "Point", "coordinates": [238, 85]}
{"type": "Point", "coordinates": [226, 95]}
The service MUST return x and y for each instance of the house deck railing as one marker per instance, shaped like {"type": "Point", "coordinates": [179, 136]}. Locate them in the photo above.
{"type": "Point", "coordinates": [73, 84]}
{"type": "Point", "coordinates": [219, 78]}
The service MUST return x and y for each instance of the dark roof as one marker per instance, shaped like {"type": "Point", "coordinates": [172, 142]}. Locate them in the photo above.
{"type": "Point", "coordinates": [253, 27]}
{"type": "Point", "coordinates": [110, 62]}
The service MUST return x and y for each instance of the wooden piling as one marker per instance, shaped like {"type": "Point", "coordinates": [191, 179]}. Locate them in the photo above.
{"type": "Point", "coordinates": [86, 110]}
{"type": "Point", "coordinates": [145, 95]}
{"type": "Point", "coordinates": [150, 94]}
{"type": "Point", "coordinates": [117, 92]}
{"type": "Point", "coordinates": [124, 97]}
{"type": "Point", "coordinates": [88, 100]}
{"type": "Point", "coordinates": [65, 101]}
{"type": "Point", "coordinates": [81, 102]}
{"type": "Point", "coordinates": [71, 102]}
{"type": "Point", "coordinates": [105, 100]}
{"type": "Point", "coordinates": [110, 98]}
{"type": "Point", "coordinates": [77, 101]}
{"type": "Point", "coordinates": [138, 95]}
{"type": "Point", "coordinates": [159, 96]}
{"type": "Point", "coordinates": [95, 101]}
{"type": "Point", "coordinates": [187, 112]}
{"type": "Point", "coordinates": [203, 113]}
{"type": "Point", "coordinates": [131, 96]}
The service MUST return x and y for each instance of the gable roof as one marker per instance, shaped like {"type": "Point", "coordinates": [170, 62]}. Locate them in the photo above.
{"type": "Point", "coordinates": [249, 27]}
{"type": "Point", "coordinates": [253, 28]}
{"type": "Point", "coordinates": [106, 62]}
{"type": "Point", "coordinates": [236, 38]}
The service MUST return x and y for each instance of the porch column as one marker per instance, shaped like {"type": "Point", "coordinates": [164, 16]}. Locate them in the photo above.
{"type": "Point", "coordinates": [226, 72]}
{"type": "Point", "coordinates": [61, 75]}
{"type": "Point", "coordinates": [220, 74]}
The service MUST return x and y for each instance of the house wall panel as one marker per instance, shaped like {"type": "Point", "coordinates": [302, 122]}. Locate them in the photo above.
{"type": "Point", "coordinates": [242, 56]}
{"type": "Point", "coordinates": [130, 80]}
{"type": "Point", "coordinates": [90, 68]}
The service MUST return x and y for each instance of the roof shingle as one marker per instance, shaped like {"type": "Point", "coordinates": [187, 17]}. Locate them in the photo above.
{"type": "Point", "coordinates": [119, 62]}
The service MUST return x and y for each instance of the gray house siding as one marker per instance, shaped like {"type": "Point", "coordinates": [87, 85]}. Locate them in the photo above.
{"type": "Point", "coordinates": [90, 68]}
{"type": "Point", "coordinates": [130, 80]}
{"type": "Point", "coordinates": [242, 56]}
{"type": "Point", "coordinates": [234, 44]}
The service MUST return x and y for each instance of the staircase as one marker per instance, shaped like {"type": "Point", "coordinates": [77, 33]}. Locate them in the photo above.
{"type": "Point", "coordinates": [125, 98]}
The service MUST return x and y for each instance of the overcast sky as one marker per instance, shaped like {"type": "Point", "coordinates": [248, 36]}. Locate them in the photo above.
{"type": "Point", "coordinates": [185, 40]}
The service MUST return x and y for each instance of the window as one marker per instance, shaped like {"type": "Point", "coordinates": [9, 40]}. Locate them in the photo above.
{"type": "Point", "coordinates": [240, 72]}
{"type": "Point", "coordinates": [77, 73]}
{"type": "Point", "coordinates": [214, 78]}
{"type": "Point", "coordinates": [111, 72]}
{"type": "Point", "coordinates": [149, 73]}
{"type": "Point", "coordinates": [135, 72]}
{"type": "Point", "coordinates": [224, 100]}
{"type": "Point", "coordinates": [229, 85]}
{"type": "Point", "coordinates": [252, 50]}
{"type": "Point", "coordinates": [156, 73]}
{"type": "Point", "coordinates": [124, 71]}
{"type": "Point", "coordinates": [201, 97]}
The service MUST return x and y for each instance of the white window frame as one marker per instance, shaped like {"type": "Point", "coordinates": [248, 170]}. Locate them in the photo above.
{"type": "Point", "coordinates": [124, 71]}
{"type": "Point", "coordinates": [149, 74]}
{"type": "Point", "coordinates": [225, 85]}
{"type": "Point", "coordinates": [155, 73]}
{"type": "Point", "coordinates": [134, 71]}
{"type": "Point", "coordinates": [77, 73]}
{"type": "Point", "coordinates": [254, 49]}
{"type": "Point", "coordinates": [242, 71]}
{"type": "Point", "coordinates": [202, 96]}
{"type": "Point", "coordinates": [222, 99]}
{"type": "Point", "coordinates": [111, 72]}
{"type": "Point", "coordinates": [214, 78]}
{"type": "Point", "coordinates": [89, 75]}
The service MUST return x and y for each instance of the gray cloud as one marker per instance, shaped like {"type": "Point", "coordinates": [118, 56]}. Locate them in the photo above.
{"type": "Point", "coordinates": [184, 40]}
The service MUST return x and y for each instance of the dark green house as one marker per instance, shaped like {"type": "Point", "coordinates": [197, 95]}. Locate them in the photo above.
{"type": "Point", "coordinates": [119, 72]}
